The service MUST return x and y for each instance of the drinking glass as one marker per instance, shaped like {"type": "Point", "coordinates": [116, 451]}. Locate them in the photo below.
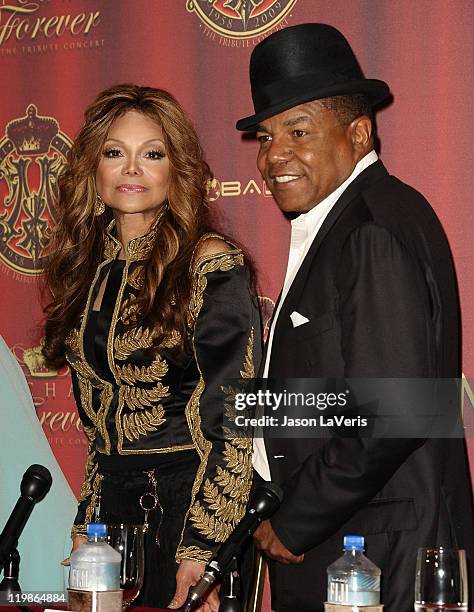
{"type": "Point", "coordinates": [441, 580]}
{"type": "Point", "coordinates": [128, 541]}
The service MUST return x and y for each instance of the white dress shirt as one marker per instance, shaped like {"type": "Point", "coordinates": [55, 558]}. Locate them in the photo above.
{"type": "Point", "coordinates": [303, 231]}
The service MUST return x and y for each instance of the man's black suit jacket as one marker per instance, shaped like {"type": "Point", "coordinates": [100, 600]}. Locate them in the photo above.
{"type": "Point", "coordinates": [379, 290]}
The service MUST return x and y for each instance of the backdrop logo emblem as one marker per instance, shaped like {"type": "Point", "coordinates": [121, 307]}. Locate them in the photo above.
{"type": "Point", "coordinates": [32, 155]}
{"type": "Point", "coordinates": [240, 18]}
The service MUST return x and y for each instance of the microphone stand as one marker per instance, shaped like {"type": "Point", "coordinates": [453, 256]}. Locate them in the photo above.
{"type": "Point", "coordinates": [11, 571]}
{"type": "Point", "coordinates": [10, 587]}
{"type": "Point", "coordinates": [254, 602]}
{"type": "Point", "coordinates": [230, 601]}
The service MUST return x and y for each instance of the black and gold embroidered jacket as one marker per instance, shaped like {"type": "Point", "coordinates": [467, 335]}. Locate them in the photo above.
{"type": "Point", "coordinates": [143, 401]}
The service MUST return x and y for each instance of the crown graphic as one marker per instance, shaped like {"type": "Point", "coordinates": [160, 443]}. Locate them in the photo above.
{"type": "Point", "coordinates": [36, 364]}
{"type": "Point", "coordinates": [32, 134]}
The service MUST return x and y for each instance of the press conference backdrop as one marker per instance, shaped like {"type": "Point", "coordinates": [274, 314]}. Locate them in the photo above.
{"type": "Point", "coordinates": [55, 55]}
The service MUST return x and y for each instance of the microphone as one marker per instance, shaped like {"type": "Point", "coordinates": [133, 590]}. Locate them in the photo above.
{"type": "Point", "coordinates": [265, 501]}
{"type": "Point", "coordinates": [35, 483]}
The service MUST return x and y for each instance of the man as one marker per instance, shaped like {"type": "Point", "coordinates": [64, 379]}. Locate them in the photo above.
{"type": "Point", "coordinates": [370, 291]}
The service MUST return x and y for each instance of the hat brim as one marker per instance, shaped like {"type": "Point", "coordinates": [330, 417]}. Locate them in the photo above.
{"type": "Point", "coordinates": [376, 91]}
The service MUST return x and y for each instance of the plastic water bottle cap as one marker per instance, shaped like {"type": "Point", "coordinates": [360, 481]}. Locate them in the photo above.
{"type": "Point", "coordinates": [353, 542]}
{"type": "Point", "coordinates": [98, 530]}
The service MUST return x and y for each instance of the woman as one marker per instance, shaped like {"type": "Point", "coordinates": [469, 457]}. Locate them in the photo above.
{"type": "Point", "coordinates": [153, 314]}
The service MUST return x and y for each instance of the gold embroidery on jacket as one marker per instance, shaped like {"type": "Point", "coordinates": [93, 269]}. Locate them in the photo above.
{"type": "Point", "coordinates": [202, 445]}
{"type": "Point", "coordinates": [238, 459]}
{"type": "Point", "coordinates": [208, 524]}
{"type": "Point", "coordinates": [142, 338]}
{"type": "Point", "coordinates": [83, 368]}
{"type": "Point", "coordinates": [91, 465]}
{"type": "Point", "coordinates": [249, 369]}
{"type": "Point", "coordinates": [140, 423]}
{"type": "Point", "coordinates": [171, 340]}
{"type": "Point", "coordinates": [91, 469]}
{"type": "Point", "coordinates": [130, 310]}
{"type": "Point", "coordinates": [136, 398]}
{"type": "Point", "coordinates": [193, 417]}
{"type": "Point", "coordinates": [132, 374]}
{"type": "Point", "coordinates": [227, 495]}
{"type": "Point", "coordinates": [195, 260]}
{"type": "Point", "coordinates": [205, 265]}
{"type": "Point", "coordinates": [217, 523]}
{"type": "Point", "coordinates": [78, 530]}
{"type": "Point", "coordinates": [133, 340]}
{"type": "Point", "coordinates": [88, 489]}
{"type": "Point", "coordinates": [137, 278]}
{"type": "Point", "coordinates": [221, 261]}
{"type": "Point", "coordinates": [139, 248]}
{"type": "Point", "coordinates": [193, 553]}
{"type": "Point", "coordinates": [111, 247]}
{"type": "Point", "coordinates": [72, 341]}
{"type": "Point", "coordinates": [195, 303]}
{"type": "Point", "coordinates": [230, 391]}
{"type": "Point", "coordinates": [85, 392]}
{"type": "Point", "coordinates": [140, 451]}
{"type": "Point", "coordinates": [85, 376]}
{"type": "Point", "coordinates": [106, 397]}
{"type": "Point", "coordinates": [230, 414]}
{"type": "Point", "coordinates": [94, 498]}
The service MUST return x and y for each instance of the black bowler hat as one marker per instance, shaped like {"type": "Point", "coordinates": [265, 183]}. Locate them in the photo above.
{"type": "Point", "coordinates": [303, 63]}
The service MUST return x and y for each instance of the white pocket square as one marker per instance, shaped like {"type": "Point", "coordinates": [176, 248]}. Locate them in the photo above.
{"type": "Point", "coordinates": [298, 319]}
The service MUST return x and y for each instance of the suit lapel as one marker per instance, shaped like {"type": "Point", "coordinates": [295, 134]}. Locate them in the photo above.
{"type": "Point", "coordinates": [265, 347]}
{"type": "Point", "coordinates": [370, 175]}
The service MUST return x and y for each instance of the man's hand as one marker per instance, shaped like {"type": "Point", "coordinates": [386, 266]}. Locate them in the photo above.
{"type": "Point", "coordinates": [187, 575]}
{"type": "Point", "coordinates": [268, 542]}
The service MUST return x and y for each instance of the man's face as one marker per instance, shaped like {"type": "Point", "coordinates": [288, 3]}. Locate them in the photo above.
{"type": "Point", "coordinates": [305, 155]}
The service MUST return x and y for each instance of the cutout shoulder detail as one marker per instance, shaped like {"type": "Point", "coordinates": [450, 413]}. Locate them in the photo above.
{"type": "Point", "coordinates": [209, 246]}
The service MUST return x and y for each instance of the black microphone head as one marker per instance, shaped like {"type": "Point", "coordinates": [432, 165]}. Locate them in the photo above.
{"type": "Point", "coordinates": [36, 482]}
{"type": "Point", "coordinates": [266, 499]}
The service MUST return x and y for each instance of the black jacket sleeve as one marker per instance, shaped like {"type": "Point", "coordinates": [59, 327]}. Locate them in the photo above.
{"type": "Point", "coordinates": [226, 342]}
{"type": "Point", "coordinates": [82, 394]}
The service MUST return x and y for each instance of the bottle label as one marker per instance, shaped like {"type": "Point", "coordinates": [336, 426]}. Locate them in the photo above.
{"type": "Point", "coordinates": [355, 590]}
{"type": "Point", "coordinates": [331, 607]}
{"type": "Point", "coordinates": [79, 579]}
{"type": "Point", "coordinates": [95, 577]}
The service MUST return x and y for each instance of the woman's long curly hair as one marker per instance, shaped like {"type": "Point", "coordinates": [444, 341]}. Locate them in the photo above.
{"type": "Point", "coordinates": [77, 244]}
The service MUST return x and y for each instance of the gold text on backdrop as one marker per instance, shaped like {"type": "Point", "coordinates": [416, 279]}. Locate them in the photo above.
{"type": "Point", "coordinates": [19, 23]}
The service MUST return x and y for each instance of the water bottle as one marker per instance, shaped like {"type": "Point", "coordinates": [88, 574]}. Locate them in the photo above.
{"type": "Point", "coordinates": [353, 579]}
{"type": "Point", "coordinates": [95, 566]}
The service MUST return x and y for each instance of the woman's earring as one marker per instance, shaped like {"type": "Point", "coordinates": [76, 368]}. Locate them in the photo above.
{"type": "Point", "coordinates": [99, 207]}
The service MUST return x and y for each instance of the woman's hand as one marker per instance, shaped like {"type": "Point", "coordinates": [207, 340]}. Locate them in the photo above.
{"type": "Point", "coordinates": [76, 542]}
{"type": "Point", "coordinates": [188, 575]}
